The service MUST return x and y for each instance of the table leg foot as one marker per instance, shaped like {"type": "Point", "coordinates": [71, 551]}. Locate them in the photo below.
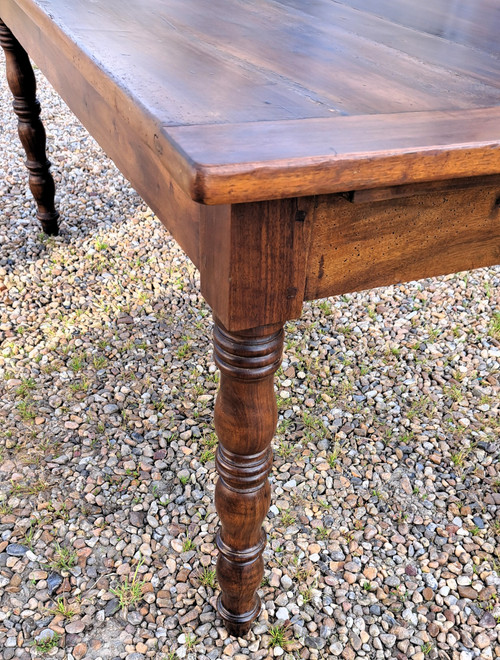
{"type": "Point", "coordinates": [22, 84]}
{"type": "Point", "coordinates": [245, 420]}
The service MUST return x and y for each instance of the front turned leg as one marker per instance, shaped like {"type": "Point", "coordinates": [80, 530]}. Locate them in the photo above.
{"type": "Point", "coordinates": [245, 420]}
{"type": "Point", "coordinates": [22, 84]}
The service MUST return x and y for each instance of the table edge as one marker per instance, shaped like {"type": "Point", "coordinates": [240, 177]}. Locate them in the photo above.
{"type": "Point", "coordinates": [233, 163]}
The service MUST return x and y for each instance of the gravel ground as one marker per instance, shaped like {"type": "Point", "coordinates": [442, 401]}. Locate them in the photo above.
{"type": "Point", "coordinates": [384, 529]}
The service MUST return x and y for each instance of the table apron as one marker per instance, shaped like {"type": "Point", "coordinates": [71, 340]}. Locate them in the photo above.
{"type": "Point", "coordinates": [364, 245]}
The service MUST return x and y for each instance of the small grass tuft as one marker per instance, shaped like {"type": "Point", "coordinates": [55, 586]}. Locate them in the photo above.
{"type": "Point", "coordinates": [280, 635]}
{"type": "Point", "coordinates": [207, 577]}
{"type": "Point", "coordinates": [64, 558]}
{"type": "Point", "coordinates": [46, 645]}
{"type": "Point", "coordinates": [25, 387]}
{"type": "Point", "coordinates": [129, 592]}
{"type": "Point", "coordinates": [494, 329]}
{"type": "Point", "coordinates": [188, 545]}
{"type": "Point", "coordinates": [61, 608]}
{"type": "Point", "coordinates": [334, 456]}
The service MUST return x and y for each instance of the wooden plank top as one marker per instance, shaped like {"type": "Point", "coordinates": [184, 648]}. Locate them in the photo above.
{"type": "Point", "coordinates": [279, 98]}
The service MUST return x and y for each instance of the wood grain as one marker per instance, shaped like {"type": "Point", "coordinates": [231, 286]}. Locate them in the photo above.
{"type": "Point", "coordinates": [278, 100]}
{"type": "Point", "coordinates": [360, 246]}
{"type": "Point", "coordinates": [445, 187]}
{"type": "Point", "coordinates": [245, 420]}
{"type": "Point", "coordinates": [269, 160]}
{"type": "Point", "coordinates": [253, 261]}
{"type": "Point", "coordinates": [31, 131]}
{"type": "Point", "coordinates": [427, 46]}
{"type": "Point", "coordinates": [472, 23]}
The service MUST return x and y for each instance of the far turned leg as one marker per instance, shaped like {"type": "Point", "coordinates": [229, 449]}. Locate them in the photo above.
{"type": "Point", "coordinates": [245, 420]}
{"type": "Point", "coordinates": [22, 84]}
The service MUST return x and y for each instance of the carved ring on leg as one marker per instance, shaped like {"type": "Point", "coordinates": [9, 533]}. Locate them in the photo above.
{"type": "Point", "coordinates": [245, 421]}
{"type": "Point", "coordinates": [22, 84]}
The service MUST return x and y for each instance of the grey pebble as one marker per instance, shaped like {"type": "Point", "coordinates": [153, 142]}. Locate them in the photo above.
{"type": "Point", "coordinates": [45, 635]}
{"type": "Point", "coordinates": [314, 642]}
{"type": "Point", "coordinates": [388, 640]}
{"type": "Point", "coordinates": [54, 581]}
{"type": "Point", "coordinates": [478, 522]}
{"type": "Point", "coordinates": [16, 550]}
{"type": "Point", "coordinates": [134, 618]}
{"type": "Point", "coordinates": [112, 606]}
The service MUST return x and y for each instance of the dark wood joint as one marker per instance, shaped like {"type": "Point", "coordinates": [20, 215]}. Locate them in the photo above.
{"type": "Point", "coordinates": [253, 260]}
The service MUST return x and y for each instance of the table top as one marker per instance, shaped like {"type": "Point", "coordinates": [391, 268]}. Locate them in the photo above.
{"type": "Point", "coordinates": [279, 98]}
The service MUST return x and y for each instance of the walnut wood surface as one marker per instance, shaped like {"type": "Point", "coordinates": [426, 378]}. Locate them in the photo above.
{"type": "Point", "coordinates": [364, 245]}
{"type": "Point", "coordinates": [22, 84]}
{"type": "Point", "coordinates": [252, 261]}
{"type": "Point", "coordinates": [245, 420]}
{"type": "Point", "coordinates": [244, 102]}
{"type": "Point", "coordinates": [444, 187]}
{"type": "Point", "coordinates": [316, 156]}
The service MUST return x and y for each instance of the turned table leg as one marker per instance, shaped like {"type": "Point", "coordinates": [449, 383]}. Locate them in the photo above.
{"type": "Point", "coordinates": [245, 421]}
{"type": "Point", "coordinates": [22, 84]}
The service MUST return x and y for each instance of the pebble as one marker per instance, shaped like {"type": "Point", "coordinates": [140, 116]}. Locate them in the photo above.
{"type": "Point", "coordinates": [54, 581]}
{"type": "Point", "coordinates": [482, 641]}
{"type": "Point", "coordinates": [80, 650]}
{"type": "Point", "coordinates": [112, 606]}
{"type": "Point", "coordinates": [75, 627]}
{"type": "Point", "coordinates": [45, 635]}
{"type": "Point", "coordinates": [388, 640]}
{"type": "Point", "coordinates": [16, 550]}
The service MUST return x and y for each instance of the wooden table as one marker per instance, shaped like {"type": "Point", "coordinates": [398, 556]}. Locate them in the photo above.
{"type": "Point", "coordinates": [295, 149]}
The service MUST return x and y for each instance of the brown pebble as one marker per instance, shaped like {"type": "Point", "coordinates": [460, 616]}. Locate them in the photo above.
{"type": "Point", "coordinates": [487, 593]}
{"type": "Point", "coordinates": [183, 574]}
{"type": "Point", "coordinates": [433, 629]}
{"type": "Point", "coordinates": [427, 593]}
{"type": "Point", "coordinates": [80, 650]}
{"type": "Point", "coordinates": [350, 578]}
{"type": "Point", "coordinates": [123, 569]}
{"type": "Point", "coordinates": [190, 616]}
{"type": "Point", "coordinates": [348, 653]}
{"type": "Point", "coordinates": [482, 641]}
{"type": "Point", "coordinates": [75, 627]}
{"type": "Point", "coordinates": [467, 592]}
{"type": "Point", "coordinates": [370, 572]}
